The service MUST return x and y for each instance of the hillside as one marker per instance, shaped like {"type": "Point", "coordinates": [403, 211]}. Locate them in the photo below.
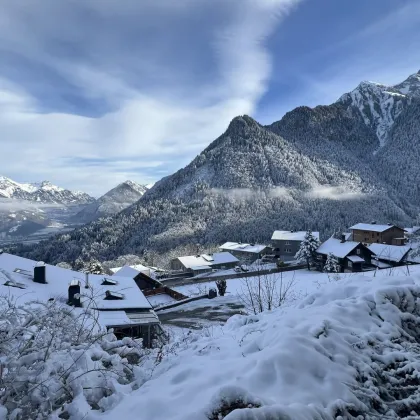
{"type": "Point", "coordinates": [323, 168]}
{"type": "Point", "coordinates": [114, 201]}
{"type": "Point", "coordinates": [347, 351]}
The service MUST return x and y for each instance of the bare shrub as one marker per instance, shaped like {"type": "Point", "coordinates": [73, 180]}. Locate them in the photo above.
{"type": "Point", "coordinates": [266, 291]}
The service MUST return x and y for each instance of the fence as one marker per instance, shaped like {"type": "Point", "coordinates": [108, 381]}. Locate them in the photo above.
{"type": "Point", "coordinates": [173, 282]}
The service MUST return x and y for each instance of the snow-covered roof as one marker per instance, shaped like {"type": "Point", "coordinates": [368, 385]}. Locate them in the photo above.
{"type": "Point", "coordinates": [347, 235]}
{"type": "Point", "coordinates": [58, 280]}
{"type": "Point", "coordinates": [389, 252]}
{"type": "Point", "coordinates": [130, 270]}
{"type": "Point", "coordinates": [380, 264]}
{"type": "Point", "coordinates": [237, 246]}
{"type": "Point", "coordinates": [372, 227]}
{"type": "Point", "coordinates": [337, 248]}
{"type": "Point", "coordinates": [194, 261]}
{"type": "Point", "coordinates": [355, 258]}
{"type": "Point", "coordinates": [412, 230]}
{"type": "Point", "coordinates": [289, 235]}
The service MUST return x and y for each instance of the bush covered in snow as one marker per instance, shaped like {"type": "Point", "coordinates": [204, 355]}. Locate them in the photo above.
{"type": "Point", "coordinates": [332, 265]}
{"type": "Point", "coordinates": [55, 359]}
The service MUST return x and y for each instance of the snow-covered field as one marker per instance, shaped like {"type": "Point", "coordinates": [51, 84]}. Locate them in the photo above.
{"type": "Point", "coordinates": [348, 349]}
{"type": "Point", "coordinates": [305, 282]}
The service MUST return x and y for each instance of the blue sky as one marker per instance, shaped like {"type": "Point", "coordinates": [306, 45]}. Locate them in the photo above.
{"type": "Point", "coordinates": [95, 92]}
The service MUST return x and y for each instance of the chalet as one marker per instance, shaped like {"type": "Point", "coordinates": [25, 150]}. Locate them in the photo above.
{"type": "Point", "coordinates": [129, 270]}
{"type": "Point", "coordinates": [143, 278]}
{"type": "Point", "coordinates": [118, 302]}
{"type": "Point", "coordinates": [245, 252]}
{"type": "Point", "coordinates": [370, 233]}
{"type": "Point", "coordinates": [286, 243]}
{"type": "Point", "coordinates": [204, 263]}
{"type": "Point", "coordinates": [389, 254]}
{"type": "Point", "coordinates": [352, 256]}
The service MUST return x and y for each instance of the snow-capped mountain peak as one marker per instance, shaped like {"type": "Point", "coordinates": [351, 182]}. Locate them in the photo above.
{"type": "Point", "coordinates": [114, 201]}
{"type": "Point", "coordinates": [43, 192]}
{"type": "Point", "coordinates": [380, 104]}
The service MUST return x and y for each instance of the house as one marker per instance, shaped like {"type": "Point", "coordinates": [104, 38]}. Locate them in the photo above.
{"type": "Point", "coordinates": [286, 243]}
{"type": "Point", "coordinates": [128, 270]}
{"type": "Point", "coordinates": [204, 263]}
{"type": "Point", "coordinates": [352, 256]}
{"type": "Point", "coordinates": [245, 252]}
{"type": "Point", "coordinates": [143, 278]}
{"type": "Point", "coordinates": [381, 234]}
{"type": "Point", "coordinates": [117, 301]}
{"type": "Point", "coordinates": [390, 254]}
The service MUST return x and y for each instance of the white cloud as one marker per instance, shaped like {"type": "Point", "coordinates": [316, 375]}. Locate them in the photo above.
{"type": "Point", "coordinates": [147, 125]}
{"type": "Point", "coordinates": [334, 193]}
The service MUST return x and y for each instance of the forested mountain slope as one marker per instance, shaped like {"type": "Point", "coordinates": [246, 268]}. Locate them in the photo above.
{"type": "Point", "coordinates": [321, 168]}
{"type": "Point", "coordinates": [115, 200]}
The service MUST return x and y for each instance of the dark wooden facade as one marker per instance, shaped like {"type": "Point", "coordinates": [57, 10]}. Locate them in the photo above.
{"type": "Point", "coordinates": [346, 265]}
{"type": "Point", "coordinates": [392, 236]}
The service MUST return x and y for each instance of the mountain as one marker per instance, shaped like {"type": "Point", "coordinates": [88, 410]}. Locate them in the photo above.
{"type": "Point", "coordinates": [323, 168]}
{"type": "Point", "coordinates": [380, 105]}
{"type": "Point", "coordinates": [27, 208]}
{"type": "Point", "coordinates": [43, 193]}
{"type": "Point", "coordinates": [115, 200]}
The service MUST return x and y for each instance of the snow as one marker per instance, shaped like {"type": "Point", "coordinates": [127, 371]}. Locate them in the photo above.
{"type": "Point", "coordinates": [287, 235]}
{"type": "Point", "coordinates": [58, 280]}
{"type": "Point", "coordinates": [389, 252]}
{"type": "Point", "coordinates": [193, 261]}
{"type": "Point", "coordinates": [162, 299]}
{"type": "Point", "coordinates": [412, 230]}
{"type": "Point", "coordinates": [130, 270]}
{"type": "Point", "coordinates": [336, 247]}
{"type": "Point", "coordinates": [300, 362]}
{"type": "Point", "coordinates": [237, 246]}
{"type": "Point", "coordinates": [380, 264]}
{"type": "Point", "coordinates": [371, 227]}
{"type": "Point", "coordinates": [355, 259]}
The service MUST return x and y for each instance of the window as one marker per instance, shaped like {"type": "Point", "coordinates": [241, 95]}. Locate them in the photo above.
{"type": "Point", "coordinates": [358, 251]}
{"type": "Point", "coordinates": [350, 264]}
{"type": "Point", "coordinates": [287, 243]}
{"type": "Point", "coordinates": [288, 250]}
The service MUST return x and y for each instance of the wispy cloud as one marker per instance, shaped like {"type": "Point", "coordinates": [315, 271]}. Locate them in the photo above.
{"type": "Point", "coordinates": [120, 82]}
{"type": "Point", "coordinates": [334, 193]}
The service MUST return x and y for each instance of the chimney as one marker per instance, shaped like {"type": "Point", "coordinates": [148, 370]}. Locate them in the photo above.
{"type": "Point", "coordinates": [74, 293]}
{"type": "Point", "coordinates": [343, 238]}
{"type": "Point", "coordinates": [40, 273]}
{"type": "Point", "coordinates": [389, 224]}
{"type": "Point", "coordinates": [86, 280]}
{"type": "Point", "coordinates": [373, 222]}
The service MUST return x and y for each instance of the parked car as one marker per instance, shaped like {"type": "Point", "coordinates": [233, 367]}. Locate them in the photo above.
{"type": "Point", "coordinates": [237, 269]}
{"type": "Point", "coordinates": [244, 267]}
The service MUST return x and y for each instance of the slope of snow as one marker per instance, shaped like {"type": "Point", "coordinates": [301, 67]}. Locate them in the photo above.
{"type": "Point", "coordinates": [332, 356]}
{"type": "Point", "coordinates": [44, 192]}
{"type": "Point", "coordinates": [380, 105]}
